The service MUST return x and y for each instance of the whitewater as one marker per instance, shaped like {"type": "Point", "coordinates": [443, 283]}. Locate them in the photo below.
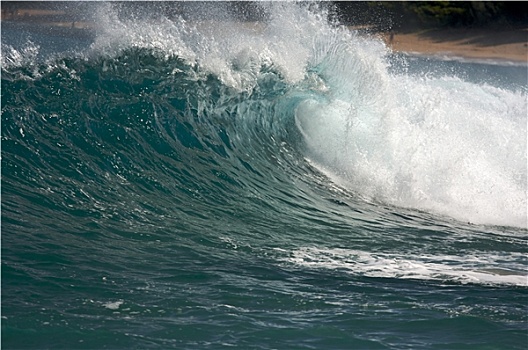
{"type": "Point", "coordinates": [183, 182]}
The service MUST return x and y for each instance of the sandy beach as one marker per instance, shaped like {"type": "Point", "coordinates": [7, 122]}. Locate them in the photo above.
{"type": "Point", "coordinates": [473, 43]}
{"type": "Point", "coordinates": [509, 44]}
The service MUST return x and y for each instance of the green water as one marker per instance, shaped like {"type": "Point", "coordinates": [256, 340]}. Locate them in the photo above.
{"type": "Point", "coordinates": [165, 187]}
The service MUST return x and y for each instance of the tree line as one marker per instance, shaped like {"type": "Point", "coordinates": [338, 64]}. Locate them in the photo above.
{"type": "Point", "coordinates": [413, 14]}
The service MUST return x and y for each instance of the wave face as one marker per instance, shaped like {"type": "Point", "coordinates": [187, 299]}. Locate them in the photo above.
{"type": "Point", "coordinates": [174, 172]}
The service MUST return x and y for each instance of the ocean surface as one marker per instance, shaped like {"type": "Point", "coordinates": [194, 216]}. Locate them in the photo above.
{"type": "Point", "coordinates": [288, 184]}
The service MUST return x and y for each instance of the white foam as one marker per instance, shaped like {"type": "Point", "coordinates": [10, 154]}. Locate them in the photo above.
{"type": "Point", "coordinates": [492, 269]}
{"type": "Point", "coordinates": [442, 145]}
{"type": "Point", "coordinates": [113, 305]}
{"type": "Point", "coordinates": [232, 50]}
{"type": "Point", "coordinates": [24, 56]}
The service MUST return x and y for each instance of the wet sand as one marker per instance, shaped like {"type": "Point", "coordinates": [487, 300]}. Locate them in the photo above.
{"type": "Point", "coordinates": [472, 43]}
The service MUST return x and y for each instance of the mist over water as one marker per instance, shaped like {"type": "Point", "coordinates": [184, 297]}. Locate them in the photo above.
{"type": "Point", "coordinates": [179, 177]}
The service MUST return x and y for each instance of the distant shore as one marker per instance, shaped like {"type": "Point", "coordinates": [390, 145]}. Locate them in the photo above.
{"type": "Point", "coordinates": [470, 43]}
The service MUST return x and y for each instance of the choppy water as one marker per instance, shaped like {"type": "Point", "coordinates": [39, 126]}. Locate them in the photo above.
{"type": "Point", "coordinates": [286, 185]}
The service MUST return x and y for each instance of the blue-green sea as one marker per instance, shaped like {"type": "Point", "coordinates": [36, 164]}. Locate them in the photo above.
{"type": "Point", "coordinates": [284, 184]}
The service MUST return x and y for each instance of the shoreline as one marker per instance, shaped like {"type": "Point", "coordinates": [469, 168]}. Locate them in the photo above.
{"type": "Point", "coordinates": [467, 43]}
{"type": "Point", "coordinates": [478, 44]}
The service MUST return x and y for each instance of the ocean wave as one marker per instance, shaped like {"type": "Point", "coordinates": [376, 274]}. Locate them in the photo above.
{"type": "Point", "coordinates": [280, 184]}
{"type": "Point", "coordinates": [432, 143]}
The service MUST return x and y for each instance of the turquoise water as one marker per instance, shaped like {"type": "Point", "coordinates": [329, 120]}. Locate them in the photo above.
{"type": "Point", "coordinates": [292, 185]}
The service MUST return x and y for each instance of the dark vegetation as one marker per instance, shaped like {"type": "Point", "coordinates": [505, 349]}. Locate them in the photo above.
{"type": "Point", "coordinates": [403, 15]}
